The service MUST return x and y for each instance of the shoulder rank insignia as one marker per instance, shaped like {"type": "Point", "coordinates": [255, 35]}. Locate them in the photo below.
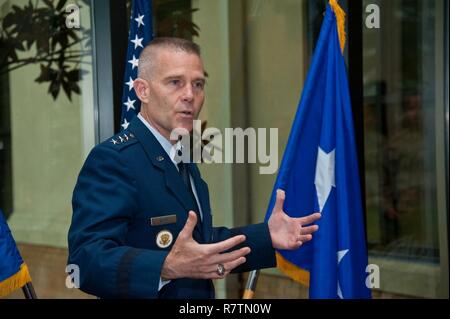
{"type": "Point", "coordinates": [122, 138]}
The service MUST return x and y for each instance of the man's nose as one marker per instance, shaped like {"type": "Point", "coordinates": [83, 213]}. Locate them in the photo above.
{"type": "Point", "coordinates": [188, 93]}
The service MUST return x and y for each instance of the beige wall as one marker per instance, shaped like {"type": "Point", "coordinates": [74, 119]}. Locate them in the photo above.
{"type": "Point", "coordinates": [275, 55]}
{"type": "Point", "coordinates": [253, 53]}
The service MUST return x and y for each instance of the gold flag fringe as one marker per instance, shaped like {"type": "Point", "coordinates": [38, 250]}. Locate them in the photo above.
{"type": "Point", "coordinates": [16, 281]}
{"type": "Point", "coordinates": [340, 20]}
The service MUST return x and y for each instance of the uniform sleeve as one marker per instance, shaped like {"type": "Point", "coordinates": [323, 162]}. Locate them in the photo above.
{"type": "Point", "coordinates": [262, 254]}
{"type": "Point", "coordinates": [104, 201]}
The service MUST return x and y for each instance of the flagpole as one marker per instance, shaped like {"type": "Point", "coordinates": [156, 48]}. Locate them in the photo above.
{"type": "Point", "coordinates": [28, 291]}
{"type": "Point", "coordinates": [250, 288]}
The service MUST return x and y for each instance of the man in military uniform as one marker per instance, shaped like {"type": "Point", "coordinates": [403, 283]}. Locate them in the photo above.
{"type": "Point", "coordinates": [142, 224]}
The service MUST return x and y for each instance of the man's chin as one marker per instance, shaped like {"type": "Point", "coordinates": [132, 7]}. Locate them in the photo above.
{"type": "Point", "coordinates": [186, 124]}
{"type": "Point", "coordinates": [183, 129]}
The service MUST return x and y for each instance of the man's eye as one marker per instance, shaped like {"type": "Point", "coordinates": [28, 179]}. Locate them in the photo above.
{"type": "Point", "coordinates": [199, 85]}
{"type": "Point", "coordinates": [175, 82]}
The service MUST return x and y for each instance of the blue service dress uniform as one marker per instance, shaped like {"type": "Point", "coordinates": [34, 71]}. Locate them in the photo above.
{"type": "Point", "coordinates": [124, 182]}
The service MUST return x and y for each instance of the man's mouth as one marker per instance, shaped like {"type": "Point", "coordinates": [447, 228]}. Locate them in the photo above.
{"type": "Point", "coordinates": [187, 113]}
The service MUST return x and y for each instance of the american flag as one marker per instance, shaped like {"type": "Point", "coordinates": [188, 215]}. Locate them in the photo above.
{"type": "Point", "coordinates": [141, 33]}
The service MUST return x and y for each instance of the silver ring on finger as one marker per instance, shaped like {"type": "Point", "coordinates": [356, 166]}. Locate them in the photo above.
{"type": "Point", "coordinates": [220, 270]}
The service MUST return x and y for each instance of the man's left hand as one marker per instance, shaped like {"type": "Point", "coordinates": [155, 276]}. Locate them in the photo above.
{"type": "Point", "coordinates": [288, 232]}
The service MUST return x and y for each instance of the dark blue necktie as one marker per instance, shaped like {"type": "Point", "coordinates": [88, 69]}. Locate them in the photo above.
{"type": "Point", "coordinates": [184, 173]}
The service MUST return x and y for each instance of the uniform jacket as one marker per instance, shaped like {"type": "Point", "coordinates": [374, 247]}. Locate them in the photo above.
{"type": "Point", "coordinates": [124, 182]}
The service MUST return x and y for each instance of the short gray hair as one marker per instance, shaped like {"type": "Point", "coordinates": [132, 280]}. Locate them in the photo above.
{"type": "Point", "coordinates": [176, 44]}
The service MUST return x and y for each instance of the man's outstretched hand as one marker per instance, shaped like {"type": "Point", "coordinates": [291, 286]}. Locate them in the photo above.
{"type": "Point", "coordinates": [189, 259]}
{"type": "Point", "coordinates": [288, 232]}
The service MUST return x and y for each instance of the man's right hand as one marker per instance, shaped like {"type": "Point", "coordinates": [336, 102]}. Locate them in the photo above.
{"type": "Point", "coordinates": [189, 259]}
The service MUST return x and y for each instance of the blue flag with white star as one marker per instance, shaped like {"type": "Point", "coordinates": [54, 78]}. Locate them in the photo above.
{"type": "Point", "coordinates": [319, 172]}
{"type": "Point", "coordinates": [14, 272]}
{"type": "Point", "coordinates": [141, 33]}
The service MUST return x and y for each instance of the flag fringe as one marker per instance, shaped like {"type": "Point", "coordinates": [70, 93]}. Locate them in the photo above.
{"type": "Point", "coordinates": [297, 274]}
{"type": "Point", "coordinates": [340, 20]}
{"type": "Point", "coordinates": [18, 280]}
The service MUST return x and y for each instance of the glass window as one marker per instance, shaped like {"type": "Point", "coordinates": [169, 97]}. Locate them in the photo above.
{"type": "Point", "coordinates": [402, 81]}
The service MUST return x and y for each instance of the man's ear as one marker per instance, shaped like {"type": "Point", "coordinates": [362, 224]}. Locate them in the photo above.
{"type": "Point", "coordinates": [142, 90]}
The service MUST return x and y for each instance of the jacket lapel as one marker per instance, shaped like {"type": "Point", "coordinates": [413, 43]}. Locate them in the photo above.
{"type": "Point", "coordinates": [161, 160]}
{"type": "Point", "coordinates": [203, 197]}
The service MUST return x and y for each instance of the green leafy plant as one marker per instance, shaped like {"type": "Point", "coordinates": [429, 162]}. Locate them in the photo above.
{"type": "Point", "coordinates": [37, 33]}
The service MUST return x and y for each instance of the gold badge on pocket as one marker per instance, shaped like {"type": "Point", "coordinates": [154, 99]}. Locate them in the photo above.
{"type": "Point", "coordinates": [164, 239]}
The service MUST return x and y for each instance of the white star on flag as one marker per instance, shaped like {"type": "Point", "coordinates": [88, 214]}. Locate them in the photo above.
{"type": "Point", "coordinates": [134, 62]}
{"type": "Point", "coordinates": [130, 104]}
{"type": "Point", "coordinates": [140, 34]}
{"type": "Point", "coordinates": [340, 255]}
{"type": "Point", "coordinates": [324, 179]}
{"type": "Point", "coordinates": [125, 124]}
{"type": "Point", "coordinates": [130, 84]}
{"type": "Point", "coordinates": [137, 42]}
{"type": "Point", "coordinates": [139, 20]}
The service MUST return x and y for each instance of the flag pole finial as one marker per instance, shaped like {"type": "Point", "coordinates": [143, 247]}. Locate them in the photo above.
{"type": "Point", "coordinates": [340, 20]}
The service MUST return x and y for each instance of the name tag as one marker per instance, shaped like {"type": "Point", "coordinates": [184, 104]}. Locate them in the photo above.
{"type": "Point", "coordinates": [163, 220]}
